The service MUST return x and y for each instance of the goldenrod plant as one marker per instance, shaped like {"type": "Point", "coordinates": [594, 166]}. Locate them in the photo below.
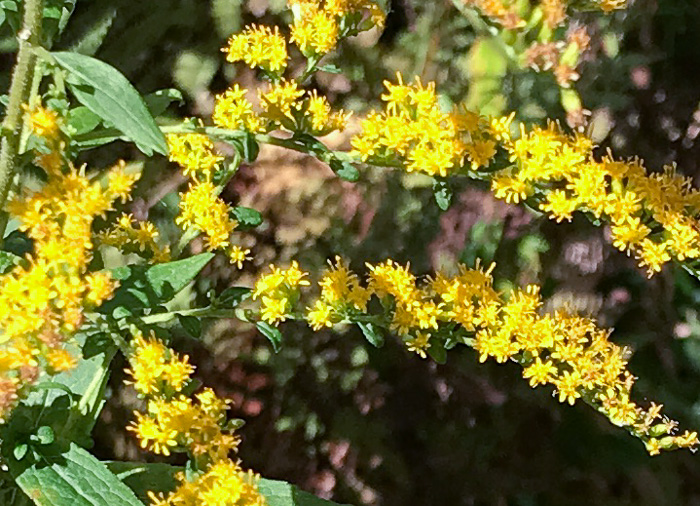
{"type": "Point", "coordinates": [84, 280]}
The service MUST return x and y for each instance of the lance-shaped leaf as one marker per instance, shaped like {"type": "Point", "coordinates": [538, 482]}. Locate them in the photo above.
{"type": "Point", "coordinates": [67, 475]}
{"type": "Point", "coordinates": [106, 92]}
{"type": "Point", "coordinates": [150, 286]}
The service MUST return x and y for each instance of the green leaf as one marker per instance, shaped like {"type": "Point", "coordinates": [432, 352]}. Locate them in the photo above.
{"type": "Point", "coordinates": [272, 333]}
{"type": "Point", "coordinates": [68, 475]}
{"type": "Point", "coordinates": [67, 404]}
{"type": "Point", "coordinates": [158, 101]}
{"type": "Point", "coordinates": [330, 68]}
{"type": "Point", "coordinates": [443, 194]}
{"type": "Point", "coordinates": [191, 324]}
{"type": "Point", "coordinates": [18, 243]}
{"type": "Point", "coordinates": [97, 138]}
{"type": "Point", "coordinates": [92, 38]}
{"type": "Point", "coordinates": [232, 296]}
{"type": "Point", "coordinates": [82, 120]}
{"type": "Point", "coordinates": [437, 351]}
{"type": "Point", "coordinates": [281, 493]}
{"type": "Point", "coordinates": [144, 286]}
{"type": "Point", "coordinates": [8, 261]}
{"type": "Point", "coordinates": [142, 478]}
{"type": "Point", "coordinates": [20, 451]}
{"type": "Point", "coordinates": [246, 217]}
{"type": "Point", "coordinates": [345, 170]}
{"type": "Point", "coordinates": [372, 333]}
{"type": "Point", "coordinates": [107, 93]}
{"type": "Point", "coordinates": [45, 435]}
{"type": "Point", "coordinates": [251, 148]}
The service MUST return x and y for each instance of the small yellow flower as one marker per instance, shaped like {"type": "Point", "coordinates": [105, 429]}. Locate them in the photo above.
{"type": "Point", "coordinates": [45, 122]}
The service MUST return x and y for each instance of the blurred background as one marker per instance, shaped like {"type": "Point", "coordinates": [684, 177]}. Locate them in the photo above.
{"type": "Point", "coordinates": [382, 427]}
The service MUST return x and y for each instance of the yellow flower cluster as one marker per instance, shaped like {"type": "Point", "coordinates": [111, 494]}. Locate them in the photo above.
{"type": "Point", "coordinates": [319, 24]}
{"type": "Point", "coordinates": [42, 299]}
{"type": "Point", "coordinates": [201, 208]}
{"type": "Point", "coordinates": [44, 122]}
{"type": "Point", "coordinates": [283, 105]}
{"type": "Point", "coordinates": [341, 296]}
{"type": "Point", "coordinates": [279, 292]}
{"type": "Point", "coordinates": [651, 215]}
{"type": "Point", "coordinates": [141, 239]}
{"type": "Point", "coordinates": [568, 352]}
{"type": "Point", "coordinates": [414, 132]}
{"type": "Point", "coordinates": [175, 421]}
{"type": "Point", "coordinates": [259, 46]}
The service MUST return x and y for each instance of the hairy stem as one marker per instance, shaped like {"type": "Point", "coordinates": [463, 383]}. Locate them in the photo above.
{"type": "Point", "coordinates": [29, 37]}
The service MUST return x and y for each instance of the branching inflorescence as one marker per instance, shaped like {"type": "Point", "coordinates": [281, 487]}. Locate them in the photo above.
{"type": "Point", "coordinates": [569, 352]}
{"type": "Point", "coordinates": [652, 216]}
{"type": "Point", "coordinates": [176, 421]}
{"type": "Point", "coordinates": [44, 297]}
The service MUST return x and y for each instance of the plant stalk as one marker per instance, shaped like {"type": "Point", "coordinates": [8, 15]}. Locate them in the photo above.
{"type": "Point", "coordinates": [29, 38]}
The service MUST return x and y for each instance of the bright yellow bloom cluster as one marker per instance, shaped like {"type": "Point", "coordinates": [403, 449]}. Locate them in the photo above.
{"type": "Point", "coordinates": [279, 292]}
{"type": "Point", "coordinates": [234, 111]}
{"type": "Point", "coordinates": [141, 239]}
{"type": "Point", "coordinates": [201, 208]}
{"type": "Point", "coordinates": [283, 105]}
{"type": "Point", "coordinates": [195, 154]}
{"type": "Point", "coordinates": [177, 422]}
{"type": "Point", "coordinates": [341, 297]}
{"type": "Point", "coordinates": [43, 298]}
{"type": "Point", "coordinates": [568, 352]}
{"type": "Point", "coordinates": [259, 46]}
{"type": "Point", "coordinates": [414, 132]}
{"type": "Point", "coordinates": [651, 215]}
{"type": "Point", "coordinates": [47, 124]}
{"type": "Point", "coordinates": [224, 484]}
{"type": "Point", "coordinates": [44, 122]}
{"type": "Point", "coordinates": [156, 368]}
{"type": "Point", "coordinates": [319, 24]}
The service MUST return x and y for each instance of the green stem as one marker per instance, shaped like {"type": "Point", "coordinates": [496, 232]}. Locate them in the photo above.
{"type": "Point", "coordinates": [29, 37]}
{"type": "Point", "coordinates": [201, 312]}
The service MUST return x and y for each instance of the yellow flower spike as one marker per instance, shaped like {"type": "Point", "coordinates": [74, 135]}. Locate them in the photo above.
{"type": "Point", "coordinates": [195, 154]}
{"type": "Point", "coordinates": [201, 209]}
{"type": "Point", "coordinates": [101, 286]}
{"type": "Point", "coordinates": [152, 436]}
{"type": "Point", "coordinates": [568, 352]}
{"type": "Point", "coordinates": [281, 101]}
{"type": "Point", "coordinates": [259, 46]}
{"type": "Point", "coordinates": [315, 31]}
{"type": "Point", "coordinates": [268, 282]}
{"type": "Point", "coordinates": [322, 118]}
{"type": "Point", "coordinates": [233, 111]}
{"type": "Point", "coordinates": [540, 372]}
{"type": "Point", "coordinates": [415, 132]}
{"type": "Point", "coordinates": [120, 183]}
